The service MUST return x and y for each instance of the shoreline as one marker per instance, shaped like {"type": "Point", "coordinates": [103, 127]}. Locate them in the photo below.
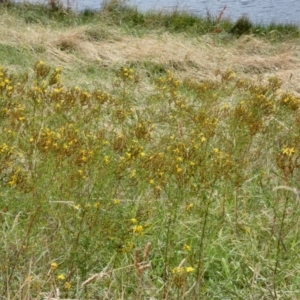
{"type": "Point", "coordinates": [176, 41]}
{"type": "Point", "coordinates": [71, 8]}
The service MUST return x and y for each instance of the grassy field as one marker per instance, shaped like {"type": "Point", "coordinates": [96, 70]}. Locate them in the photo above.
{"type": "Point", "coordinates": [147, 156]}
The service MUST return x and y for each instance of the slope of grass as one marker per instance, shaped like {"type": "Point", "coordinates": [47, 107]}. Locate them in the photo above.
{"type": "Point", "coordinates": [130, 175]}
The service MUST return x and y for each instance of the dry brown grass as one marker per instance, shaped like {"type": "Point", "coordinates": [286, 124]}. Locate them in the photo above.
{"type": "Point", "coordinates": [198, 57]}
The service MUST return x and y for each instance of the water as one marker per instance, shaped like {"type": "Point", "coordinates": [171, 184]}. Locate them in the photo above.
{"type": "Point", "coordinates": [258, 11]}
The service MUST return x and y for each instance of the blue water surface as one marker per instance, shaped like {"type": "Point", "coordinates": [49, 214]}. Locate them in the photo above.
{"type": "Point", "coordinates": [258, 11]}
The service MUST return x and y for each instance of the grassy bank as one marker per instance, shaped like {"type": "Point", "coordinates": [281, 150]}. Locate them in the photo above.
{"type": "Point", "coordinates": [144, 160]}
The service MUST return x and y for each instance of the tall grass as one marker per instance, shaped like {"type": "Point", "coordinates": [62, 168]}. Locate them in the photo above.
{"type": "Point", "coordinates": [90, 177]}
{"type": "Point", "coordinates": [129, 182]}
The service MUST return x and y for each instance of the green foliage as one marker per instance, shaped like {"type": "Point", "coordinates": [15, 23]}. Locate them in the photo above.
{"type": "Point", "coordinates": [89, 178]}
{"type": "Point", "coordinates": [116, 12]}
{"type": "Point", "coordinates": [241, 26]}
{"type": "Point", "coordinates": [12, 54]}
{"type": "Point", "coordinates": [277, 32]}
{"type": "Point", "coordinates": [48, 15]}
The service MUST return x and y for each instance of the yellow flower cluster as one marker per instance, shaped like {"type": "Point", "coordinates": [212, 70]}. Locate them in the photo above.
{"type": "Point", "coordinates": [182, 270]}
{"type": "Point", "coordinates": [87, 155]}
{"type": "Point", "coordinates": [288, 151]}
{"type": "Point", "coordinates": [138, 229]}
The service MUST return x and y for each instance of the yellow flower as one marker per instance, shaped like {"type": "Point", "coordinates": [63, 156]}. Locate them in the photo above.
{"type": "Point", "coordinates": [158, 188]}
{"type": "Point", "coordinates": [182, 270]}
{"type": "Point", "coordinates": [288, 151]}
{"type": "Point", "coordinates": [13, 180]}
{"type": "Point", "coordinates": [189, 269]}
{"type": "Point", "coordinates": [127, 247]}
{"type": "Point", "coordinates": [189, 206]}
{"type": "Point", "coordinates": [67, 285]}
{"type": "Point", "coordinates": [54, 266]}
{"type": "Point", "coordinates": [178, 270]}
{"type": "Point", "coordinates": [151, 181]}
{"type": "Point", "coordinates": [117, 201]}
{"type": "Point", "coordinates": [134, 220]}
{"type": "Point", "coordinates": [97, 205]}
{"type": "Point", "coordinates": [84, 158]}
{"type": "Point", "coordinates": [178, 169]}
{"type": "Point", "coordinates": [186, 248]}
{"type": "Point", "coordinates": [106, 159]}
{"type": "Point", "coordinates": [133, 174]}
{"type": "Point", "coordinates": [138, 229]}
{"type": "Point", "coordinates": [61, 277]}
{"type": "Point", "coordinates": [77, 206]}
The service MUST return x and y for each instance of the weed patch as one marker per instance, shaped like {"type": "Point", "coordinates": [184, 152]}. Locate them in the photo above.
{"type": "Point", "coordinates": [159, 173]}
{"type": "Point", "coordinates": [169, 194]}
